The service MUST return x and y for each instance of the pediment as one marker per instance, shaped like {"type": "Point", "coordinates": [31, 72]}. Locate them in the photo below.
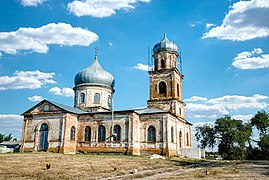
{"type": "Point", "coordinates": [44, 107]}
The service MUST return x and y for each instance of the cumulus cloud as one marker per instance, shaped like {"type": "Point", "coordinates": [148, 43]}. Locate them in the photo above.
{"type": "Point", "coordinates": [32, 2]}
{"type": "Point", "coordinates": [220, 106]}
{"type": "Point", "coordinates": [250, 60]}
{"type": "Point", "coordinates": [38, 39]}
{"type": "Point", "coordinates": [195, 98]}
{"type": "Point", "coordinates": [11, 123]}
{"type": "Point", "coordinates": [142, 67]}
{"type": "Point", "coordinates": [35, 98]}
{"type": "Point", "coordinates": [242, 117]}
{"type": "Point", "coordinates": [209, 25]}
{"type": "Point", "coordinates": [26, 80]}
{"type": "Point", "coordinates": [101, 8]}
{"type": "Point", "coordinates": [245, 20]}
{"type": "Point", "coordinates": [67, 92]}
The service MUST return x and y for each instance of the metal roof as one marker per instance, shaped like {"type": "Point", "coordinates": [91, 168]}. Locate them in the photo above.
{"type": "Point", "coordinates": [151, 110]}
{"type": "Point", "coordinates": [93, 75]}
{"type": "Point", "coordinates": [68, 108]}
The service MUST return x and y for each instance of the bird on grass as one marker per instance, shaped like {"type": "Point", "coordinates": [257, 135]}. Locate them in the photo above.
{"type": "Point", "coordinates": [48, 166]}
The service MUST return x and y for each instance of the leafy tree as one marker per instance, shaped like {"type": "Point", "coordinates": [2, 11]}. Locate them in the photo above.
{"type": "Point", "coordinates": [206, 136]}
{"type": "Point", "coordinates": [5, 138]}
{"type": "Point", "coordinates": [229, 134]}
{"type": "Point", "coordinates": [261, 122]}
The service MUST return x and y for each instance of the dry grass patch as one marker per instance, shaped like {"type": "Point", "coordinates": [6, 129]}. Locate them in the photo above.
{"type": "Point", "coordinates": [33, 166]}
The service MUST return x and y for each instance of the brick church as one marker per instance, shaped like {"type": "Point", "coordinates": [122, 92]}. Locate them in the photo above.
{"type": "Point", "coordinates": [91, 126]}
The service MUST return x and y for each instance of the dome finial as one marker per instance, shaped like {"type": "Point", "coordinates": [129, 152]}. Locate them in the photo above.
{"type": "Point", "coordinates": [164, 31]}
{"type": "Point", "coordinates": [96, 53]}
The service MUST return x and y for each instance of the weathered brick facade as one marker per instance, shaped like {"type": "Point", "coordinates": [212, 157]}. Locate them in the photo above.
{"type": "Point", "coordinates": [92, 127]}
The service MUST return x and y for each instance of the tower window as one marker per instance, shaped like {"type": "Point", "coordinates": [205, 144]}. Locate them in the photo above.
{"type": "Point", "coordinates": [96, 98]}
{"type": "Point", "coordinates": [162, 64]}
{"type": "Point", "coordinates": [87, 135]}
{"type": "Point", "coordinates": [82, 98]}
{"type": "Point", "coordinates": [73, 133]}
{"type": "Point", "coordinates": [162, 88]}
{"type": "Point", "coordinates": [101, 133]}
{"type": "Point", "coordinates": [177, 90]}
{"type": "Point", "coordinates": [151, 134]}
{"type": "Point", "coordinates": [109, 101]}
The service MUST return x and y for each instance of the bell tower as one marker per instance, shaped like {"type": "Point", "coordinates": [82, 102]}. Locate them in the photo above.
{"type": "Point", "coordinates": [165, 79]}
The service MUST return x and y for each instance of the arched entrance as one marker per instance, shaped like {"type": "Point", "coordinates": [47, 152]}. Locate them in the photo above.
{"type": "Point", "coordinates": [43, 138]}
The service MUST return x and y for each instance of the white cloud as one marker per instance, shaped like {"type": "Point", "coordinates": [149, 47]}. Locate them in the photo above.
{"type": "Point", "coordinates": [248, 60]}
{"type": "Point", "coordinates": [38, 39]}
{"type": "Point", "coordinates": [11, 123]}
{"type": "Point", "coordinates": [32, 2]}
{"type": "Point", "coordinates": [209, 25]}
{"type": "Point", "coordinates": [195, 98]}
{"type": "Point", "coordinates": [246, 117]}
{"type": "Point", "coordinates": [110, 43]}
{"type": "Point", "coordinates": [246, 20]}
{"type": "Point", "coordinates": [26, 80]}
{"type": "Point", "coordinates": [101, 8]}
{"type": "Point", "coordinates": [67, 92]}
{"type": "Point", "coordinates": [220, 106]}
{"type": "Point", "coordinates": [35, 98]}
{"type": "Point", "coordinates": [141, 67]}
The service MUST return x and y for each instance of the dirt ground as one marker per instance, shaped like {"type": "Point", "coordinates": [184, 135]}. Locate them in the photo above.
{"type": "Point", "coordinates": [33, 166]}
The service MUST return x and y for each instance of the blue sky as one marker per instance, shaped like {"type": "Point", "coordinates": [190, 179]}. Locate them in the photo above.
{"type": "Point", "coordinates": [224, 43]}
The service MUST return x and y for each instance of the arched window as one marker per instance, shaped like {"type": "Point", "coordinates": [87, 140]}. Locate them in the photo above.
{"type": "Point", "coordinates": [109, 100]}
{"type": "Point", "coordinates": [87, 135]}
{"type": "Point", "coordinates": [44, 127]}
{"type": "Point", "coordinates": [82, 98]}
{"type": "Point", "coordinates": [151, 134]}
{"type": "Point", "coordinates": [162, 88]}
{"type": "Point", "coordinates": [72, 133]}
{"type": "Point", "coordinates": [96, 98]}
{"type": "Point", "coordinates": [117, 132]}
{"type": "Point", "coordinates": [187, 136]}
{"type": "Point", "coordinates": [177, 90]}
{"type": "Point", "coordinates": [172, 134]}
{"type": "Point", "coordinates": [162, 64]}
{"type": "Point", "coordinates": [101, 133]}
{"type": "Point", "coordinates": [180, 139]}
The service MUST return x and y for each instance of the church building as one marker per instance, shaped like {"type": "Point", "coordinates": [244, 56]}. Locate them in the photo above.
{"type": "Point", "coordinates": [92, 126]}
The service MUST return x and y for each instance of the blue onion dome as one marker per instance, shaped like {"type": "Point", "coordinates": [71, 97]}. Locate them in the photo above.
{"type": "Point", "coordinates": [165, 45]}
{"type": "Point", "coordinates": [95, 75]}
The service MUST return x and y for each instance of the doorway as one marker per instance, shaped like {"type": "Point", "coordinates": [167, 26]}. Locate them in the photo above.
{"type": "Point", "coordinates": [43, 140]}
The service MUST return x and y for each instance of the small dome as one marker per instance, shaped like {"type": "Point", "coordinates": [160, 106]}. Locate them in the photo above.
{"type": "Point", "coordinates": [165, 45]}
{"type": "Point", "coordinates": [95, 75]}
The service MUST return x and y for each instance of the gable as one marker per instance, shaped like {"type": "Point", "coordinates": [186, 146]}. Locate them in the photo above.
{"type": "Point", "coordinates": [44, 107]}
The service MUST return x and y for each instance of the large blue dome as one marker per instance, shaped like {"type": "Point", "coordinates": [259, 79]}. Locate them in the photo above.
{"type": "Point", "coordinates": [95, 75]}
{"type": "Point", "coordinates": [165, 45]}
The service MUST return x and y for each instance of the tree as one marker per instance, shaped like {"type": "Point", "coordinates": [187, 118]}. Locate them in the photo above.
{"type": "Point", "coordinates": [5, 138]}
{"type": "Point", "coordinates": [206, 136]}
{"type": "Point", "coordinates": [229, 134]}
{"type": "Point", "coordinates": [261, 122]}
